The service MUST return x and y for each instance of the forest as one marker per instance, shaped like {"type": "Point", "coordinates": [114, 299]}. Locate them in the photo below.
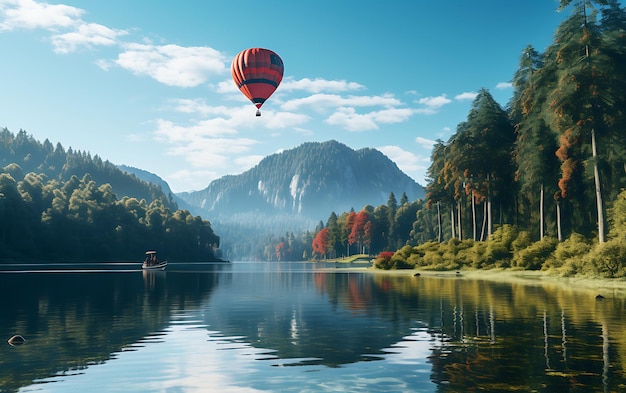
{"type": "Point", "coordinates": [536, 185]}
{"type": "Point", "coordinates": [58, 205]}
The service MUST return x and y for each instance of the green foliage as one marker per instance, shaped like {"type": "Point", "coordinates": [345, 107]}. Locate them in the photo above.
{"type": "Point", "coordinates": [531, 171]}
{"type": "Point", "coordinates": [386, 260]}
{"type": "Point", "coordinates": [498, 249]}
{"type": "Point", "coordinates": [535, 255]}
{"type": "Point", "coordinates": [606, 260]}
{"type": "Point", "coordinates": [568, 254]}
{"type": "Point", "coordinates": [617, 216]}
{"type": "Point", "coordinates": [544, 172]}
{"type": "Point", "coordinates": [383, 260]}
{"type": "Point", "coordinates": [48, 217]}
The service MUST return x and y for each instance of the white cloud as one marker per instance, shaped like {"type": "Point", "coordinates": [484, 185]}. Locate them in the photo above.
{"type": "Point", "coordinates": [172, 133]}
{"type": "Point", "coordinates": [185, 179]}
{"type": "Point", "coordinates": [504, 85]}
{"type": "Point", "coordinates": [323, 101]}
{"type": "Point", "coordinates": [228, 87]}
{"type": "Point", "coordinates": [209, 153]}
{"type": "Point", "coordinates": [242, 116]}
{"type": "Point", "coordinates": [69, 30]}
{"type": "Point", "coordinates": [173, 65]}
{"type": "Point", "coordinates": [435, 102]}
{"type": "Point", "coordinates": [246, 162]}
{"type": "Point", "coordinates": [408, 162]}
{"type": "Point", "coordinates": [466, 96]}
{"type": "Point", "coordinates": [206, 145]}
{"type": "Point", "coordinates": [425, 143]}
{"type": "Point", "coordinates": [348, 119]}
{"type": "Point", "coordinates": [414, 165]}
{"type": "Point", "coordinates": [425, 111]}
{"type": "Point", "coordinates": [303, 131]}
{"type": "Point", "coordinates": [29, 14]}
{"type": "Point", "coordinates": [319, 85]}
{"type": "Point", "coordinates": [87, 34]}
{"type": "Point", "coordinates": [392, 115]}
{"type": "Point", "coordinates": [280, 120]}
{"type": "Point", "coordinates": [212, 145]}
{"type": "Point", "coordinates": [104, 64]}
{"type": "Point", "coordinates": [199, 106]}
{"type": "Point", "coordinates": [289, 85]}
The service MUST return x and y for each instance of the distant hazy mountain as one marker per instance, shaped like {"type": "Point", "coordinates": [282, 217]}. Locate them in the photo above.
{"type": "Point", "coordinates": [158, 181]}
{"type": "Point", "coordinates": [311, 181]}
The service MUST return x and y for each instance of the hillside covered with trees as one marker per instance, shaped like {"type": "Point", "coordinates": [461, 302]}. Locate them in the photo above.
{"type": "Point", "coordinates": [58, 205]}
{"type": "Point", "coordinates": [287, 193]}
{"type": "Point", "coordinates": [538, 185]}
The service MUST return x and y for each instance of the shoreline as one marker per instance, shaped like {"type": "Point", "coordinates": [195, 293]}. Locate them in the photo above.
{"type": "Point", "coordinates": [611, 287]}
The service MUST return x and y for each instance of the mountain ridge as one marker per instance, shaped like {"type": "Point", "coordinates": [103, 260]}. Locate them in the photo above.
{"type": "Point", "coordinates": [310, 180]}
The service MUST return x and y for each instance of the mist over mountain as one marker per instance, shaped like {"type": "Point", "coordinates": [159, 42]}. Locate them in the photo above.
{"type": "Point", "coordinates": [158, 181]}
{"type": "Point", "coordinates": [309, 182]}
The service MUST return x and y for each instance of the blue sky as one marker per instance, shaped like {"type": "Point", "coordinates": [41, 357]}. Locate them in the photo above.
{"type": "Point", "coordinates": [147, 83]}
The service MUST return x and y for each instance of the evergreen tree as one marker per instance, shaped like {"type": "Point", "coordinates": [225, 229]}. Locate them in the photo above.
{"type": "Point", "coordinates": [437, 191]}
{"type": "Point", "coordinates": [537, 166]}
{"type": "Point", "coordinates": [583, 104]}
{"type": "Point", "coordinates": [334, 236]}
{"type": "Point", "coordinates": [392, 207]}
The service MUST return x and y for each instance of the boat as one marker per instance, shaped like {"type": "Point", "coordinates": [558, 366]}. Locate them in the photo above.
{"type": "Point", "coordinates": [152, 262]}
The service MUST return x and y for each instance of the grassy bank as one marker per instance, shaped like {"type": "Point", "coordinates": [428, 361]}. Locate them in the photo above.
{"type": "Point", "coordinates": [351, 259]}
{"type": "Point", "coordinates": [608, 288]}
{"type": "Point", "coordinates": [508, 248]}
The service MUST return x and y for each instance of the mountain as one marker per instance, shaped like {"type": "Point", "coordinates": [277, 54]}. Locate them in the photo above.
{"type": "Point", "coordinates": [58, 205]}
{"type": "Point", "coordinates": [309, 181]}
{"type": "Point", "coordinates": [22, 153]}
{"type": "Point", "coordinates": [152, 178]}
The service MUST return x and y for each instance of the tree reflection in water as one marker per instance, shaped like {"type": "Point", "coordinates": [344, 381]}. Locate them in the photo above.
{"type": "Point", "coordinates": [476, 335]}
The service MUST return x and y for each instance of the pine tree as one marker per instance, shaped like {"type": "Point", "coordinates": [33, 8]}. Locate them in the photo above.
{"type": "Point", "coordinates": [589, 91]}
{"type": "Point", "coordinates": [482, 159]}
{"type": "Point", "coordinates": [537, 166]}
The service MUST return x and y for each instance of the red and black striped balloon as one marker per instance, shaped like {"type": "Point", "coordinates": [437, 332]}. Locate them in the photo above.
{"type": "Point", "coordinates": [257, 72]}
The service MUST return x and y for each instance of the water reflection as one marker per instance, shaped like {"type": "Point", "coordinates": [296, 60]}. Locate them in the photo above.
{"type": "Point", "coordinates": [285, 327]}
{"type": "Point", "coordinates": [73, 320]}
{"type": "Point", "coordinates": [513, 336]}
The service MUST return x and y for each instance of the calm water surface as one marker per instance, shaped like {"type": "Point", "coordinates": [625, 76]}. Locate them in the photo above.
{"type": "Point", "coordinates": [301, 327]}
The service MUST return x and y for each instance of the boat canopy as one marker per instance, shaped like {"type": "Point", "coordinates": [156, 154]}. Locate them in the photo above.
{"type": "Point", "coordinates": [150, 252]}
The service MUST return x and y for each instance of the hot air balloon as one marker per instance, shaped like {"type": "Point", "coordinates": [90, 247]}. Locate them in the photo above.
{"type": "Point", "coordinates": [257, 72]}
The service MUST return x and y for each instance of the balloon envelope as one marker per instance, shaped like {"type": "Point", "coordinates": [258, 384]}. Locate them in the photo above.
{"type": "Point", "coordinates": [257, 72]}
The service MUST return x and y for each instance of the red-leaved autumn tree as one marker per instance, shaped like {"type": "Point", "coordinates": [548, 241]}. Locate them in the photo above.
{"type": "Point", "coordinates": [361, 230]}
{"type": "Point", "coordinates": [320, 242]}
{"type": "Point", "coordinates": [280, 251]}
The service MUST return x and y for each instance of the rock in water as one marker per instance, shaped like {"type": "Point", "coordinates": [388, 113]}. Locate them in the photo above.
{"type": "Point", "coordinates": [16, 340]}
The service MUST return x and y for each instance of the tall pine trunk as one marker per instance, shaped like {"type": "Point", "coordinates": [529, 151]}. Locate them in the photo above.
{"type": "Point", "coordinates": [489, 221]}
{"type": "Point", "coordinates": [452, 223]}
{"type": "Point", "coordinates": [474, 216]}
{"type": "Point", "coordinates": [596, 177]}
{"type": "Point", "coordinates": [541, 223]}
{"type": "Point", "coordinates": [439, 222]}
{"type": "Point", "coordinates": [458, 213]}
{"type": "Point", "coordinates": [484, 226]}
{"type": "Point", "coordinates": [558, 221]}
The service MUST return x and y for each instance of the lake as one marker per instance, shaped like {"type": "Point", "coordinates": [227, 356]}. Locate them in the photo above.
{"type": "Point", "coordinates": [302, 327]}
